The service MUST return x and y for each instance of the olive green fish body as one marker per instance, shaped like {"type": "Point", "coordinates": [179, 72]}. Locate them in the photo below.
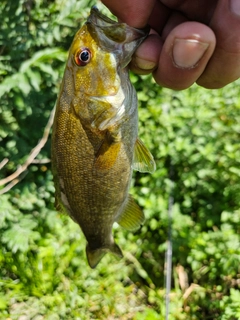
{"type": "Point", "coordinates": [95, 134]}
{"type": "Point", "coordinates": [92, 197]}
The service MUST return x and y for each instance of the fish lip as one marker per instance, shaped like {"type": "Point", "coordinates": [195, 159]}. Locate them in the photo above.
{"type": "Point", "coordinates": [102, 21]}
{"type": "Point", "coordinates": [95, 12]}
{"type": "Point", "coordinates": [116, 37]}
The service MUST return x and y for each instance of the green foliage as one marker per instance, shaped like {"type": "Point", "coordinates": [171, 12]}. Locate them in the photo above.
{"type": "Point", "coordinates": [194, 137]}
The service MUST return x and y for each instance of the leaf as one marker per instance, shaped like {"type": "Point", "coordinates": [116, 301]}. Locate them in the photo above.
{"type": "Point", "coordinates": [20, 235]}
{"type": "Point", "coordinates": [43, 56]}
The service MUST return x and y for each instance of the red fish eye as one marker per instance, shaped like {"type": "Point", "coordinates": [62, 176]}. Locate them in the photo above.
{"type": "Point", "coordinates": [82, 57]}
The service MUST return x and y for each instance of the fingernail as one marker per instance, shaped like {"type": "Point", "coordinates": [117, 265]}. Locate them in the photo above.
{"type": "Point", "coordinates": [187, 52]}
{"type": "Point", "coordinates": [235, 6]}
{"type": "Point", "coordinates": [143, 64]}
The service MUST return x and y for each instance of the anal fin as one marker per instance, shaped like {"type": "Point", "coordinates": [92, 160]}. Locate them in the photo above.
{"type": "Point", "coordinates": [132, 217]}
{"type": "Point", "coordinates": [143, 160]}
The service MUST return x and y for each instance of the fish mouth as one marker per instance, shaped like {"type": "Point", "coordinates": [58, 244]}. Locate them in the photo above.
{"type": "Point", "coordinates": [116, 37]}
{"type": "Point", "coordinates": [117, 31]}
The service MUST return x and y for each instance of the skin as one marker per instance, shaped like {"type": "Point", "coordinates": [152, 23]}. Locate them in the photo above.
{"type": "Point", "coordinates": [191, 41]}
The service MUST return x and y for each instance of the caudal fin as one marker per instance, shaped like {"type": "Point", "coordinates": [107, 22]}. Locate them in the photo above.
{"type": "Point", "coordinates": [95, 256]}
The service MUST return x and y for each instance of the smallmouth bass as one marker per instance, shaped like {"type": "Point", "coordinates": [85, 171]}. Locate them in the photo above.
{"type": "Point", "coordinates": [95, 144]}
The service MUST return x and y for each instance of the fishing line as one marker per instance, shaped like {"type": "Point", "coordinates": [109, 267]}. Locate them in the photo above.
{"type": "Point", "coordinates": [168, 254]}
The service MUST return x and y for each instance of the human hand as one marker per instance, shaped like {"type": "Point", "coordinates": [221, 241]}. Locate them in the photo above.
{"type": "Point", "coordinates": [190, 41]}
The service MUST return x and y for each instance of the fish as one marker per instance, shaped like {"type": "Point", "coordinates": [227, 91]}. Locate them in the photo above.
{"type": "Point", "coordinates": [95, 144]}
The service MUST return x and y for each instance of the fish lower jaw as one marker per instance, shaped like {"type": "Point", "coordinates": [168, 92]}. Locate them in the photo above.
{"type": "Point", "coordinates": [113, 120]}
{"type": "Point", "coordinates": [115, 100]}
{"type": "Point", "coordinates": [109, 117]}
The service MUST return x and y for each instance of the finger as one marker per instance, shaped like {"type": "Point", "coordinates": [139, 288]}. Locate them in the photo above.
{"type": "Point", "coordinates": [145, 59]}
{"type": "Point", "coordinates": [133, 12]}
{"type": "Point", "coordinates": [193, 10]}
{"type": "Point", "coordinates": [184, 56]}
{"type": "Point", "coordinates": [224, 66]}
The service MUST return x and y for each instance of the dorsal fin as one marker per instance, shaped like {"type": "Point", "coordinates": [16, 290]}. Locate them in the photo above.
{"type": "Point", "coordinates": [143, 160]}
{"type": "Point", "coordinates": [132, 217]}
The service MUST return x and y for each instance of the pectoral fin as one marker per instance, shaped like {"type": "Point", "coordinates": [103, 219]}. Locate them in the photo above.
{"type": "Point", "coordinates": [143, 160]}
{"type": "Point", "coordinates": [132, 217]}
{"type": "Point", "coordinates": [107, 154]}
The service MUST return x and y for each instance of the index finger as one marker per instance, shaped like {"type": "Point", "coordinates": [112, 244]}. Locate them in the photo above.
{"type": "Point", "coordinates": [135, 13]}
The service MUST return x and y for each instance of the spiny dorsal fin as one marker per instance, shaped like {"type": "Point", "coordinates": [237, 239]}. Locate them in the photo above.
{"type": "Point", "coordinates": [143, 160]}
{"type": "Point", "coordinates": [132, 217]}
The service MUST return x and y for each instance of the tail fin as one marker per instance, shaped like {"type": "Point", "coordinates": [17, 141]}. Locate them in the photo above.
{"type": "Point", "coordinates": [95, 256]}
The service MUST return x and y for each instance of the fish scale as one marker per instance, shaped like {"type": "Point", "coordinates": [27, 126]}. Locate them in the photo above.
{"type": "Point", "coordinates": [95, 143]}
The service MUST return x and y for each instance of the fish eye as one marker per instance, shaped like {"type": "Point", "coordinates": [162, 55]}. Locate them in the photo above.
{"type": "Point", "coordinates": [82, 57]}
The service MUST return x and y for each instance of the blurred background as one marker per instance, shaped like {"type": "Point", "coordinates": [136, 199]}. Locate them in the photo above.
{"type": "Point", "coordinates": [194, 136]}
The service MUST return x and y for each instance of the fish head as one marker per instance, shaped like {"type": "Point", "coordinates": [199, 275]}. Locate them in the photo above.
{"type": "Point", "coordinates": [100, 49]}
{"type": "Point", "coordinates": [116, 37]}
{"type": "Point", "coordinates": [93, 70]}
